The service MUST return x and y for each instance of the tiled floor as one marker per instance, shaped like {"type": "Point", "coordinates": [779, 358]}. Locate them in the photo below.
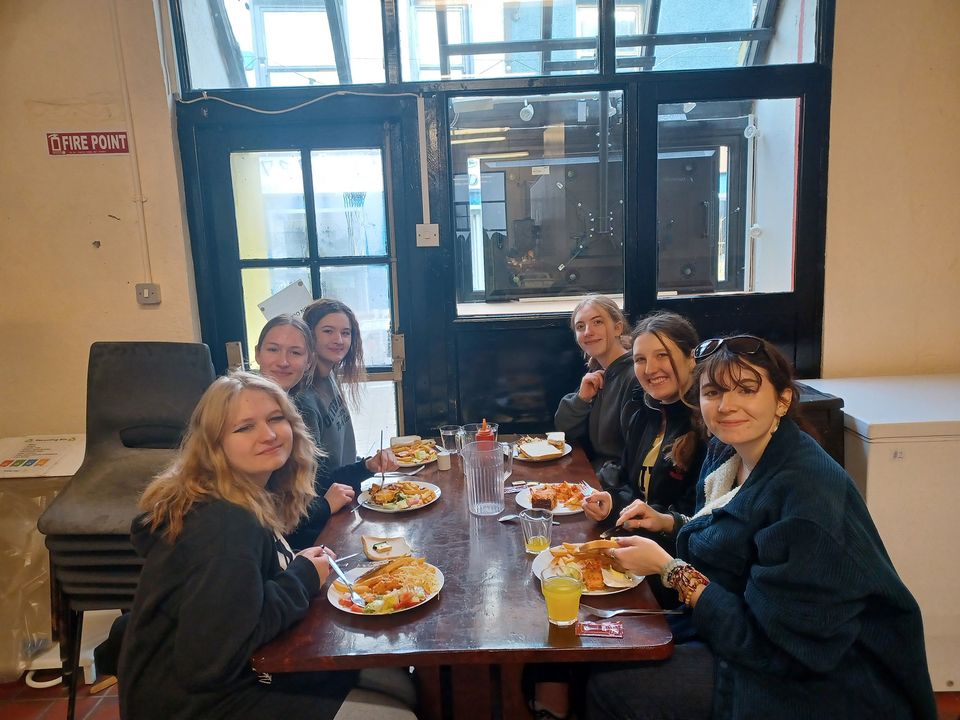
{"type": "Point", "coordinates": [19, 702]}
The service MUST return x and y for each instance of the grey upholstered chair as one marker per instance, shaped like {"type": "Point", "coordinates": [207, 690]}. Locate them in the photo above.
{"type": "Point", "coordinates": [139, 399]}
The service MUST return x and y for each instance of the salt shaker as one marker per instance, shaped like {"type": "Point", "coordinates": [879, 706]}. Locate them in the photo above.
{"type": "Point", "coordinates": [443, 460]}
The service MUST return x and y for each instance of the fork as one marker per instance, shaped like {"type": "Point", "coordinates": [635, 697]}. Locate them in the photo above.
{"type": "Point", "coordinates": [601, 613]}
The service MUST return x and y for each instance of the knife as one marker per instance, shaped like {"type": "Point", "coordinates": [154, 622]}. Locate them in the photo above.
{"type": "Point", "coordinates": [354, 595]}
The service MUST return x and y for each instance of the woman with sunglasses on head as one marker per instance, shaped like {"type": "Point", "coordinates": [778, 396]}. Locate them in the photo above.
{"type": "Point", "coordinates": [218, 579]}
{"type": "Point", "coordinates": [285, 352]}
{"type": "Point", "coordinates": [663, 452]}
{"type": "Point", "coordinates": [592, 413]}
{"type": "Point", "coordinates": [798, 611]}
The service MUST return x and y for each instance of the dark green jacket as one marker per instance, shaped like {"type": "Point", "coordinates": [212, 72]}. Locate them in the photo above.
{"type": "Point", "coordinates": [805, 612]}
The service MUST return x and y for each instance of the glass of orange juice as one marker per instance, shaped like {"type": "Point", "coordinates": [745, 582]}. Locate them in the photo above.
{"type": "Point", "coordinates": [562, 594]}
{"type": "Point", "coordinates": [536, 524]}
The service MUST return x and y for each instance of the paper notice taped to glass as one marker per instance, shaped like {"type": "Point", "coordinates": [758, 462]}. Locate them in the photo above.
{"type": "Point", "coordinates": [292, 300]}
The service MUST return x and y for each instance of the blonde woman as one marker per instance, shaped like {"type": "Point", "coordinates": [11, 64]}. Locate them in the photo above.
{"type": "Point", "coordinates": [218, 579]}
{"type": "Point", "coordinates": [591, 415]}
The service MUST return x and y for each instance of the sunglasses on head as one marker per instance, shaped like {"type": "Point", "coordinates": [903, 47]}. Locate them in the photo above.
{"type": "Point", "coordinates": [738, 344]}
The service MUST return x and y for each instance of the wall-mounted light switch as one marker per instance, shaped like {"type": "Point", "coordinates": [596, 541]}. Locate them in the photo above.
{"type": "Point", "coordinates": [148, 294]}
{"type": "Point", "coordinates": [428, 235]}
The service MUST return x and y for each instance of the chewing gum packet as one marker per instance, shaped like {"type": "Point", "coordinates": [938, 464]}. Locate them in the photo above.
{"type": "Point", "coordinates": [602, 628]}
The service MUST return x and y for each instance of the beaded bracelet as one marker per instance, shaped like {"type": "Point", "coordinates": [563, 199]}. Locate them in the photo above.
{"type": "Point", "coordinates": [684, 578]}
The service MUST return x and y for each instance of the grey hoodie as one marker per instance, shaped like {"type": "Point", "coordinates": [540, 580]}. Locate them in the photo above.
{"type": "Point", "coordinates": [596, 424]}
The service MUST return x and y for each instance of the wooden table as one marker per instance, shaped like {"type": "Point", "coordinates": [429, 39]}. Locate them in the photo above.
{"type": "Point", "coordinates": [471, 642]}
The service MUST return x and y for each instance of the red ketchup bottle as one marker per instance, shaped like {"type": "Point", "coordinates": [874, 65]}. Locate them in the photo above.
{"type": "Point", "coordinates": [485, 435]}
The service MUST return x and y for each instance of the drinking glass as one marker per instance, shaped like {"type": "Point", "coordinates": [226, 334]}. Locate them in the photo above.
{"type": "Point", "coordinates": [536, 524]}
{"type": "Point", "coordinates": [448, 437]}
{"type": "Point", "coordinates": [562, 594]}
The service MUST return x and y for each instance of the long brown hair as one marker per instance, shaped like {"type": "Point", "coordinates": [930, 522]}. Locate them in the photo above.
{"type": "Point", "coordinates": [663, 325]}
{"type": "Point", "coordinates": [349, 371]}
{"type": "Point", "coordinates": [308, 339]}
{"type": "Point", "coordinates": [727, 369]}
{"type": "Point", "coordinates": [608, 306]}
{"type": "Point", "coordinates": [201, 471]}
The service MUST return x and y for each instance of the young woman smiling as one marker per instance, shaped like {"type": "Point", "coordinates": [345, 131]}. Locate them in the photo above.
{"type": "Point", "coordinates": [798, 611]}
{"type": "Point", "coordinates": [218, 580]}
{"type": "Point", "coordinates": [286, 353]}
{"type": "Point", "coordinates": [592, 413]}
{"type": "Point", "coordinates": [662, 453]}
{"type": "Point", "coordinates": [339, 349]}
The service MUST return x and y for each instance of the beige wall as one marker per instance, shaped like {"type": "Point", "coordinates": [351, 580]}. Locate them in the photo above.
{"type": "Point", "coordinates": [59, 291]}
{"type": "Point", "coordinates": [892, 245]}
{"type": "Point", "coordinates": [892, 300]}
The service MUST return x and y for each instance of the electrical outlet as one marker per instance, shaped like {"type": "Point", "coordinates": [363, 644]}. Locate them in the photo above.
{"type": "Point", "coordinates": [148, 293]}
{"type": "Point", "coordinates": [428, 235]}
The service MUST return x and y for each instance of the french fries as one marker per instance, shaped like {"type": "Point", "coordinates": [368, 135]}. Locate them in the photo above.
{"type": "Point", "coordinates": [394, 585]}
{"type": "Point", "coordinates": [416, 453]}
{"type": "Point", "coordinates": [401, 495]}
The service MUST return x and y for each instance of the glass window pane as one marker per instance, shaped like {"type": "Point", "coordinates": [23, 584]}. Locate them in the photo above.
{"type": "Point", "coordinates": [726, 196]}
{"type": "Point", "coordinates": [259, 284]}
{"type": "Point", "coordinates": [538, 197]}
{"type": "Point", "coordinates": [366, 289]}
{"type": "Point", "coordinates": [377, 412]}
{"type": "Point", "coordinates": [350, 202]}
{"type": "Point", "coordinates": [443, 39]}
{"type": "Point", "coordinates": [729, 33]}
{"type": "Point", "coordinates": [270, 43]}
{"type": "Point", "coordinates": [268, 197]}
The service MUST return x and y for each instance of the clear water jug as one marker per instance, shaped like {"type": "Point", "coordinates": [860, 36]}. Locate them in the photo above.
{"type": "Point", "coordinates": [486, 466]}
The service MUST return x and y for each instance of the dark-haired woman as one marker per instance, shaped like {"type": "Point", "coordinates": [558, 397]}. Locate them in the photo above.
{"type": "Point", "coordinates": [339, 365]}
{"type": "Point", "coordinates": [800, 612]}
{"type": "Point", "coordinates": [663, 453]}
{"type": "Point", "coordinates": [286, 353]}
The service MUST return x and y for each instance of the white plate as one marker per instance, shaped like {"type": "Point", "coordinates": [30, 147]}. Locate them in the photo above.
{"type": "Point", "coordinates": [416, 464]}
{"type": "Point", "coordinates": [517, 456]}
{"type": "Point", "coordinates": [370, 505]}
{"type": "Point", "coordinates": [523, 500]}
{"type": "Point", "coordinates": [334, 595]}
{"type": "Point", "coordinates": [542, 561]}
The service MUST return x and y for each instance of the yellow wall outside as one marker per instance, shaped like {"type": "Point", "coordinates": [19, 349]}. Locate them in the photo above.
{"type": "Point", "coordinates": [892, 289]}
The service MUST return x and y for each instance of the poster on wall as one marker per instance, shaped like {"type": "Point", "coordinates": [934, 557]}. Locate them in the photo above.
{"type": "Point", "coordinates": [41, 455]}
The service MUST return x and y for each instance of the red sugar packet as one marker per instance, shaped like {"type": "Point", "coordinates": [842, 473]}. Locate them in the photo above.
{"type": "Point", "coordinates": [602, 628]}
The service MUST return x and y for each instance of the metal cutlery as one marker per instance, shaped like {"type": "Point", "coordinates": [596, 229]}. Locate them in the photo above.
{"type": "Point", "coordinates": [398, 473]}
{"type": "Point", "coordinates": [616, 530]}
{"type": "Point", "coordinates": [601, 613]}
{"type": "Point", "coordinates": [354, 595]}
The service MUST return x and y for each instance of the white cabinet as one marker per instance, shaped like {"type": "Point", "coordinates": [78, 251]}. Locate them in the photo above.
{"type": "Point", "coordinates": [902, 448]}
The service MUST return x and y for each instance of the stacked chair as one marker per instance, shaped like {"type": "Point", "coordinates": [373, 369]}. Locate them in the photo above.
{"type": "Point", "coordinates": [139, 399]}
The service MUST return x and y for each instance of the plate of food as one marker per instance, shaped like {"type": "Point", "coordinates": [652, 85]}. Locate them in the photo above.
{"type": "Point", "coordinates": [535, 449]}
{"type": "Point", "coordinates": [412, 450]}
{"type": "Point", "coordinates": [399, 496]}
{"type": "Point", "coordinates": [600, 573]}
{"type": "Point", "coordinates": [561, 498]}
{"type": "Point", "coordinates": [389, 588]}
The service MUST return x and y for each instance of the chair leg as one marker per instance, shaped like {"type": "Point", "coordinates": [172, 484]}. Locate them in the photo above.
{"type": "Point", "coordinates": [74, 671]}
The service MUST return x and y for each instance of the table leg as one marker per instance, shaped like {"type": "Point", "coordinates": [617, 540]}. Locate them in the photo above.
{"type": "Point", "coordinates": [429, 693]}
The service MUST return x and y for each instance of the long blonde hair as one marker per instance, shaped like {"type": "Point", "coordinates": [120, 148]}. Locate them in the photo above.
{"type": "Point", "coordinates": [201, 470]}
